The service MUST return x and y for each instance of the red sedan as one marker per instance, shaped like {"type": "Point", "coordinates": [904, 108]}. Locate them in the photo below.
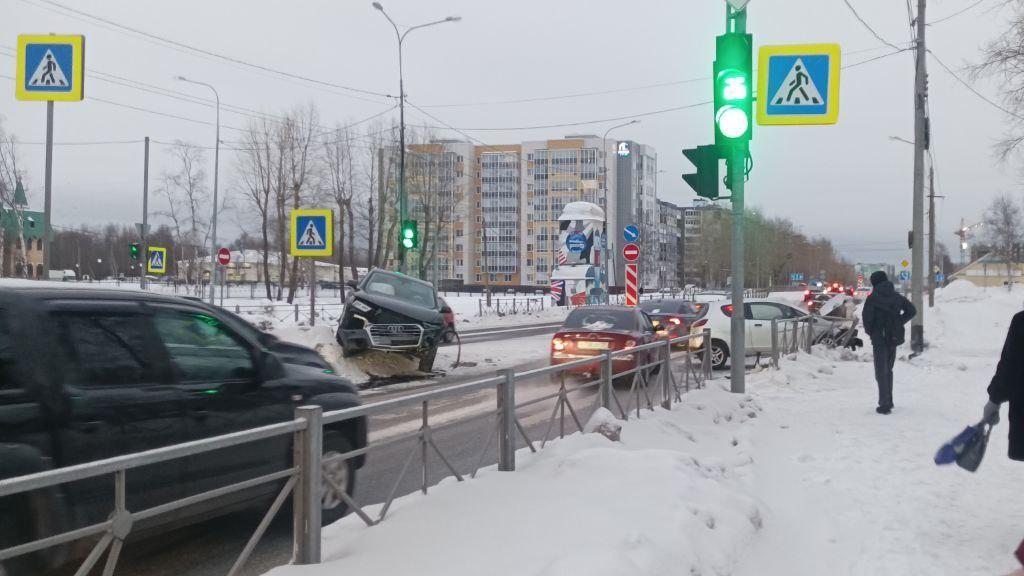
{"type": "Point", "coordinates": [590, 331]}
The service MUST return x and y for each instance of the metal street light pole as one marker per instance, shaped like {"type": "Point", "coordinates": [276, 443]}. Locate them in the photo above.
{"type": "Point", "coordinates": [403, 201]}
{"type": "Point", "coordinates": [216, 172]}
{"type": "Point", "coordinates": [604, 255]}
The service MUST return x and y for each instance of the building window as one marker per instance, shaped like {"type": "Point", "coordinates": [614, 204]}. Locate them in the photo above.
{"type": "Point", "coordinates": [478, 278]}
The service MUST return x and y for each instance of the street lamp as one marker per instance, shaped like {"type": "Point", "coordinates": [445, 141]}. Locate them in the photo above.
{"type": "Point", "coordinates": [604, 226]}
{"type": "Point", "coordinates": [402, 200]}
{"type": "Point", "coordinates": [216, 172]}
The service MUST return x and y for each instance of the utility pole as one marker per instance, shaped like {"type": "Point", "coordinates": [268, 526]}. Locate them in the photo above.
{"type": "Point", "coordinates": [145, 219]}
{"type": "Point", "coordinates": [48, 190]}
{"type": "Point", "coordinates": [920, 146]}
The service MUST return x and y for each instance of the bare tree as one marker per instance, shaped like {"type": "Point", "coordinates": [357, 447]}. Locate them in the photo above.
{"type": "Point", "coordinates": [1003, 58]}
{"type": "Point", "coordinates": [257, 163]}
{"type": "Point", "coordinates": [10, 180]}
{"type": "Point", "coordinates": [188, 205]}
{"type": "Point", "coordinates": [299, 132]}
{"type": "Point", "coordinates": [1003, 231]}
{"type": "Point", "coordinates": [340, 183]}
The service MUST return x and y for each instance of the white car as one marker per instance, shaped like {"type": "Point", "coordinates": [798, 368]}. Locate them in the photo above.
{"type": "Point", "coordinates": [759, 315]}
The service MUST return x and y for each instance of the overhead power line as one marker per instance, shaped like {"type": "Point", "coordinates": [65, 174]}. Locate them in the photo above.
{"type": "Point", "coordinates": [957, 13]}
{"type": "Point", "coordinates": [972, 89]}
{"type": "Point", "coordinates": [868, 26]}
{"type": "Point", "coordinates": [209, 53]}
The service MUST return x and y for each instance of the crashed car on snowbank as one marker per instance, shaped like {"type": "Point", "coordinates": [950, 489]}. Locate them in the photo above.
{"type": "Point", "coordinates": [392, 312]}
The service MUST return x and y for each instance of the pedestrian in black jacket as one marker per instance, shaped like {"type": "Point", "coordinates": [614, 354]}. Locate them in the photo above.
{"type": "Point", "coordinates": [1008, 386]}
{"type": "Point", "coordinates": [885, 313]}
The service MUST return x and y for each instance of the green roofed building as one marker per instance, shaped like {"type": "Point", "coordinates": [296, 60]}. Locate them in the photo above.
{"type": "Point", "coordinates": [16, 262]}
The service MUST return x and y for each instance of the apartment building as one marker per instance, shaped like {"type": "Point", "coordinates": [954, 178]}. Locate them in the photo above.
{"type": "Point", "coordinates": [670, 245]}
{"type": "Point", "coordinates": [498, 240]}
{"type": "Point", "coordinates": [496, 207]}
{"type": "Point", "coordinates": [704, 263]}
{"type": "Point", "coordinates": [636, 202]}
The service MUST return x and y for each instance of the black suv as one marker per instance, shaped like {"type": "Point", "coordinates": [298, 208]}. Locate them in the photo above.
{"type": "Point", "coordinates": [87, 374]}
{"type": "Point", "coordinates": [394, 313]}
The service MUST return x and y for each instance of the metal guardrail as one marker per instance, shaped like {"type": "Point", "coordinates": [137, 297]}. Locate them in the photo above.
{"type": "Point", "coordinates": [657, 381]}
{"type": "Point", "coordinates": [790, 335]}
{"type": "Point", "coordinates": [504, 306]}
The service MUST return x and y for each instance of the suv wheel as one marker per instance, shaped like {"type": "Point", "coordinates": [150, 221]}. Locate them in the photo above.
{"type": "Point", "coordinates": [719, 354]}
{"type": "Point", "coordinates": [339, 474]}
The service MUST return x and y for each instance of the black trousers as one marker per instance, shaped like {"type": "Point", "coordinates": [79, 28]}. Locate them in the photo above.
{"type": "Point", "coordinates": [885, 359]}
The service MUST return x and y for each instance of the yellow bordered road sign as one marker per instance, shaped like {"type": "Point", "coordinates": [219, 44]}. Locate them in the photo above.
{"type": "Point", "coordinates": [312, 232]}
{"type": "Point", "coordinates": [50, 68]}
{"type": "Point", "coordinates": [798, 84]}
{"type": "Point", "coordinates": [156, 260]}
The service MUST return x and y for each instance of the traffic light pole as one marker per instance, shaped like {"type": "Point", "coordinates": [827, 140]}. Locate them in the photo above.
{"type": "Point", "coordinates": [144, 257]}
{"type": "Point", "coordinates": [737, 174]}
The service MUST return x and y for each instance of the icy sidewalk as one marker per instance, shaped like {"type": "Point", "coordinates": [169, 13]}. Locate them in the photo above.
{"type": "Point", "coordinates": [847, 491]}
{"type": "Point", "coordinates": [669, 498]}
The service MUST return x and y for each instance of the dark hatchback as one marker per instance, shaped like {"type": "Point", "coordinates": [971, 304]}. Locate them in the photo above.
{"type": "Point", "coordinates": [675, 315]}
{"type": "Point", "coordinates": [87, 374]}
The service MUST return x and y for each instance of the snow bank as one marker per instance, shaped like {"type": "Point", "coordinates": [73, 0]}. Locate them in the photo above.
{"type": "Point", "coordinates": [669, 498]}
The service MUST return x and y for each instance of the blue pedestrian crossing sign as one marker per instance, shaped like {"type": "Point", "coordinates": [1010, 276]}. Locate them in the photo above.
{"type": "Point", "coordinates": [156, 260]}
{"type": "Point", "coordinates": [798, 84]}
{"type": "Point", "coordinates": [50, 68]}
{"type": "Point", "coordinates": [312, 232]}
{"type": "Point", "coordinates": [631, 233]}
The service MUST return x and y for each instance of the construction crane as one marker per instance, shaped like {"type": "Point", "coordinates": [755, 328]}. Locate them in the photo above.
{"type": "Point", "coordinates": [965, 232]}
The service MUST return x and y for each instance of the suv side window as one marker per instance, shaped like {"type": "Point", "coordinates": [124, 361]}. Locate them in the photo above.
{"type": "Point", "coordinates": [106, 348]}
{"type": "Point", "coordinates": [201, 348]}
{"type": "Point", "coordinates": [9, 379]}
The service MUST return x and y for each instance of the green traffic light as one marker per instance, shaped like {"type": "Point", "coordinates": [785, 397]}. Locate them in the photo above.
{"type": "Point", "coordinates": [733, 95]}
{"type": "Point", "coordinates": [732, 122]}
{"type": "Point", "coordinates": [407, 242]}
{"type": "Point", "coordinates": [734, 86]}
{"type": "Point", "coordinates": [409, 233]}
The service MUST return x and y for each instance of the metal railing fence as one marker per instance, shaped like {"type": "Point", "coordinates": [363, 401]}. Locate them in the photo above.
{"type": "Point", "coordinates": [790, 335]}
{"type": "Point", "coordinates": [504, 306]}
{"type": "Point", "coordinates": [660, 373]}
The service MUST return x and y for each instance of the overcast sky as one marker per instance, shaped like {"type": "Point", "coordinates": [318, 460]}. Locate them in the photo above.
{"type": "Point", "coordinates": [849, 182]}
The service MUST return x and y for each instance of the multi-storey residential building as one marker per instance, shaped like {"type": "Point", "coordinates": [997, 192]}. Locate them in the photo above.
{"type": "Point", "coordinates": [703, 259]}
{"type": "Point", "coordinates": [498, 214]}
{"type": "Point", "coordinates": [670, 241]}
{"type": "Point", "coordinates": [636, 202]}
{"type": "Point", "coordinates": [515, 193]}
{"type": "Point", "coordinates": [439, 177]}
{"type": "Point", "coordinates": [555, 173]}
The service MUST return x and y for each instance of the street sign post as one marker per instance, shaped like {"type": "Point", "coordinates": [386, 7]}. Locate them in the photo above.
{"type": "Point", "coordinates": [312, 232]}
{"type": "Point", "coordinates": [156, 260]}
{"type": "Point", "coordinates": [49, 69]}
{"type": "Point", "coordinates": [632, 293]}
{"type": "Point", "coordinates": [798, 84]}
{"type": "Point", "coordinates": [631, 252]}
{"type": "Point", "coordinates": [313, 235]}
{"type": "Point", "coordinates": [224, 256]}
{"type": "Point", "coordinates": [631, 233]}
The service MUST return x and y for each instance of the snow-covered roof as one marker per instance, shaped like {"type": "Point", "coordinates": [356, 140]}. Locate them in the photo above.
{"type": "Point", "coordinates": [582, 211]}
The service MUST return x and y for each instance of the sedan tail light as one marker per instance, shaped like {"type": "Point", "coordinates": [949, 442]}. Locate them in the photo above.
{"type": "Point", "coordinates": [629, 344]}
{"type": "Point", "coordinates": [700, 323]}
{"type": "Point", "coordinates": [727, 310]}
{"type": "Point", "coordinates": [676, 321]}
{"type": "Point", "coordinates": [557, 344]}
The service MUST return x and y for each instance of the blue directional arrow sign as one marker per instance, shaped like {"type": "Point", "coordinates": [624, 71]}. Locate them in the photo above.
{"type": "Point", "coordinates": [631, 233]}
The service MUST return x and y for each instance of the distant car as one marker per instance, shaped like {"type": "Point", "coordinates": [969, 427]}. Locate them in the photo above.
{"type": "Point", "coordinates": [675, 315]}
{"type": "Point", "coordinates": [758, 336]}
{"type": "Point", "coordinates": [448, 335]}
{"type": "Point", "coordinates": [591, 330]}
{"type": "Point", "coordinates": [811, 291]}
{"type": "Point", "coordinates": [392, 312]}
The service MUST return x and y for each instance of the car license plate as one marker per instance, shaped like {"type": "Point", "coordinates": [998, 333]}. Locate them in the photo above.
{"type": "Point", "coordinates": [588, 345]}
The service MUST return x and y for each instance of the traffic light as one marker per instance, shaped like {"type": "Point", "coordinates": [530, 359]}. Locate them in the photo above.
{"type": "Point", "coordinates": [705, 181]}
{"type": "Point", "coordinates": [133, 250]}
{"type": "Point", "coordinates": [734, 95]}
{"type": "Point", "coordinates": [410, 235]}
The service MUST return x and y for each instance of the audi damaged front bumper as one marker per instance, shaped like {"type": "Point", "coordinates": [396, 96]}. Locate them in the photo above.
{"type": "Point", "coordinates": [408, 337]}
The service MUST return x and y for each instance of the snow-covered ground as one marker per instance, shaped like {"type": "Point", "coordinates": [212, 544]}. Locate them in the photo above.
{"type": "Point", "coordinates": [798, 477]}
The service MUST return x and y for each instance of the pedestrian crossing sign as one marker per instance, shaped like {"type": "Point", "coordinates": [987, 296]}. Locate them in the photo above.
{"type": "Point", "coordinates": [312, 232]}
{"type": "Point", "coordinates": [156, 262]}
{"type": "Point", "coordinates": [798, 84]}
{"type": "Point", "coordinates": [50, 68]}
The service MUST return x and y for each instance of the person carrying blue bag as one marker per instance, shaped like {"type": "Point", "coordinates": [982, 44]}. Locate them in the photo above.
{"type": "Point", "coordinates": [1008, 386]}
